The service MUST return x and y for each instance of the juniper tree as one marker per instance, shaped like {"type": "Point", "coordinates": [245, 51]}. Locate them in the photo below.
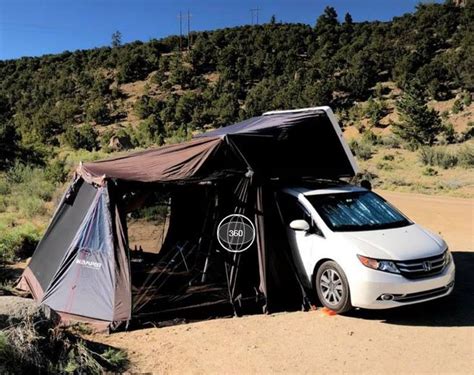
{"type": "Point", "coordinates": [419, 125]}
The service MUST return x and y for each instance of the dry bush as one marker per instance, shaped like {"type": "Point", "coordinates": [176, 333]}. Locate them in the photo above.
{"type": "Point", "coordinates": [32, 342]}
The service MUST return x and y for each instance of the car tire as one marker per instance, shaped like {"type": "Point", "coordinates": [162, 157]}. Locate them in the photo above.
{"type": "Point", "coordinates": [332, 287]}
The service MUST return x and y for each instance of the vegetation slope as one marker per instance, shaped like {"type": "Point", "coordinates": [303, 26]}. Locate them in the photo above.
{"type": "Point", "coordinates": [402, 90]}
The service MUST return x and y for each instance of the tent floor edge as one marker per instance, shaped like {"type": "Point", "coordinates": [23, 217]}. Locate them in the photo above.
{"type": "Point", "coordinates": [97, 326]}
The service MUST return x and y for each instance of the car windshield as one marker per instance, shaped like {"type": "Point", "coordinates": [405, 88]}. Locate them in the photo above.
{"type": "Point", "coordinates": [356, 211]}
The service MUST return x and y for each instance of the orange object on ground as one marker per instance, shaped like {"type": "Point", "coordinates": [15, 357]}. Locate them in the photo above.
{"type": "Point", "coordinates": [328, 312]}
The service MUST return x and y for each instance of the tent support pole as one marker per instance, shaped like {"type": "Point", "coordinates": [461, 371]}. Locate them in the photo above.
{"type": "Point", "coordinates": [211, 243]}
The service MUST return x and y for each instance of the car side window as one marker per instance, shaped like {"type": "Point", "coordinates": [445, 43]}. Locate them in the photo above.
{"type": "Point", "coordinates": [292, 209]}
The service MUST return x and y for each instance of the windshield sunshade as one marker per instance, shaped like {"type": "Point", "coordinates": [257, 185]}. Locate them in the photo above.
{"type": "Point", "coordinates": [356, 211]}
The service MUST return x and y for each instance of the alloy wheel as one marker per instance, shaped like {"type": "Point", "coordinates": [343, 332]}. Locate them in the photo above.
{"type": "Point", "coordinates": [331, 286]}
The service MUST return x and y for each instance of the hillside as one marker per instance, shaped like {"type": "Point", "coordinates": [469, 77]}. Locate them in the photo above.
{"type": "Point", "coordinates": [234, 73]}
{"type": "Point", "coordinates": [56, 110]}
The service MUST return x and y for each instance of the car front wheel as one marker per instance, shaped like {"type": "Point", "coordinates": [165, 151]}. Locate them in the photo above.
{"type": "Point", "coordinates": [332, 287]}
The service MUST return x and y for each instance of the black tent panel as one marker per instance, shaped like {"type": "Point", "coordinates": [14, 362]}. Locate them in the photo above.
{"type": "Point", "coordinates": [291, 144]}
{"type": "Point", "coordinates": [308, 148]}
{"type": "Point", "coordinates": [60, 233]}
{"type": "Point", "coordinates": [84, 283]}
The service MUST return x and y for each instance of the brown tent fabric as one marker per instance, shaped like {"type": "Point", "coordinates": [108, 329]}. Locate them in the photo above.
{"type": "Point", "coordinates": [166, 164]}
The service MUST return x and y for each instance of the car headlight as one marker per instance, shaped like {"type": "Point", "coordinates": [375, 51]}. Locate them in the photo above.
{"type": "Point", "coordinates": [380, 265]}
{"type": "Point", "coordinates": [448, 257]}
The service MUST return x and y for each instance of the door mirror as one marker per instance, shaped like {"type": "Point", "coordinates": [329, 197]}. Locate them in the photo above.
{"type": "Point", "coordinates": [299, 225]}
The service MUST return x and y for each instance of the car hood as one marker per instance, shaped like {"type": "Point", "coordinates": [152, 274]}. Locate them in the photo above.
{"type": "Point", "coordinates": [410, 242]}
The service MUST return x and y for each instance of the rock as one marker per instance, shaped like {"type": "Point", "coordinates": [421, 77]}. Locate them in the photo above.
{"type": "Point", "coordinates": [118, 143]}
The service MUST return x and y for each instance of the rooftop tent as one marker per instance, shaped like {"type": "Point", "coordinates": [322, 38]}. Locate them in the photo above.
{"type": "Point", "coordinates": [291, 144]}
{"type": "Point", "coordinates": [83, 267]}
{"type": "Point", "coordinates": [303, 143]}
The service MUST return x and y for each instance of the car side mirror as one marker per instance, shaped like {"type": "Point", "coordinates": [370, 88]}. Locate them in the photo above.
{"type": "Point", "coordinates": [366, 184]}
{"type": "Point", "coordinates": [300, 225]}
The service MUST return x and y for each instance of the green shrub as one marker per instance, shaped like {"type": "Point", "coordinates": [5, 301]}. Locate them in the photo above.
{"type": "Point", "coordinates": [146, 106]}
{"type": "Point", "coordinates": [449, 133]}
{"type": "Point", "coordinates": [355, 113]}
{"type": "Point", "coordinates": [384, 166]}
{"type": "Point", "coordinates": [437, 156]}
{"type": "Point", "coordinates": [388, 157]}
{"type": "Point", "coordinates": [180, 135]}
{"type": "Point", "coordinates": [390, 141]}
{"type": "Point", "coordinates": [465, 135]}
{"type": "Point", "coordinates": [4, 186]}
{"type": "Point", "coordinates": [19, 173]}
{"type": "Point", "coordinates": [84, 137]}
{"type": "Point", "coordinates": [3, 203]}
{"type": "Point", "coordinates": [362, 150]}
{"type": "Point", "coordinates": [370, 138]}
{"type": "Point", "coordinates": [35, 184]}
{"type": "Point", "coordinates": [18, 241]}
{"type": "Point", "coordinates": [429, 171]}
{"type": "Point", "coordinates": [31, 206]}
{"type": "Point", "coordinates": [56, 171]}
{"type": "Point", "coordinates": [398, 181]}
{"type": "Point", "coordinates": [151, 213]}
{"type": "Point", "coordinates": [427, 156]}
{"type": "Point", "coordinates": [466, 99]}
{"type": "Point", "coordinates": [457, 106]}
{"type": "Point", "coordinates": [375, 110]}
{"type": "Point", "coordinates": [98, 111]}
{"type": "Point", "coordinates": [465, 156]}
{"type": "Point", "coordinates": [28, 188]}
{"type": "Point", "coordinates": [150, 131]}
{"type": "Point", "coordinates": [105, 138]}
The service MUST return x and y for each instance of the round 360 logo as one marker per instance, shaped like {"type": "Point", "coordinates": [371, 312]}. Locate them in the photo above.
{"type": "Point", "coordinates": [236, 233]}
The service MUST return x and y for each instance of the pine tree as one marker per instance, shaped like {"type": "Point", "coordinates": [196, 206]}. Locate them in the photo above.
{"type": "Point", "coordinates": [419, 124]}
{"type": "Point", "coordinates": [327, 30]}
{"type": "Point", "coordinates": [348, 19]}
{"type": "Point", "coordinates": [327, 22]}
{"type": "Point", "coordinates": [116, 39]}
{"type": "Point", "coordinates": [348, 25]}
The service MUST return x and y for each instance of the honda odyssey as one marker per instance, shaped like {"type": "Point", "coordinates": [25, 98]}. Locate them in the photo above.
{"type": "Point", "coordinates": [354, 249]}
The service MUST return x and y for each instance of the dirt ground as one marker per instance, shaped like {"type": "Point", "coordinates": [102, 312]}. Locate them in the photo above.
{"type": "Point", "coordinates": [436, 337]}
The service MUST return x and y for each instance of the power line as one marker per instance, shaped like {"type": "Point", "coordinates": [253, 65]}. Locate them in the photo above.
{"type": "Point", "coordinates": [254, 12]}
{"type": "Point", "coordinates": [180, 17]}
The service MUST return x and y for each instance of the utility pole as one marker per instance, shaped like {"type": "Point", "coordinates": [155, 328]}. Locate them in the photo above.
{"type": "Point", "coordinates": [189, 31]}
{"type": "Point", "coordinates": [254, 12]}
{"type": "Point", "coordinates": [180, 31]}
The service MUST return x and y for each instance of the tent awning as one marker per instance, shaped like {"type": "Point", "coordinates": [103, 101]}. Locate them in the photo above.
{"type": "Point", "coordinates": [168, 163]}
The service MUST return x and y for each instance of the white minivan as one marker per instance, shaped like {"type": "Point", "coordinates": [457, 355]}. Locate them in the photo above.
{"type": "Point", "coordinates": [354, 249]}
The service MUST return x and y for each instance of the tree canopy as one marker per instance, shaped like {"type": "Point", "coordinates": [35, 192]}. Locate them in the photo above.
{"type": "Point", "coordinates": [233, 73]}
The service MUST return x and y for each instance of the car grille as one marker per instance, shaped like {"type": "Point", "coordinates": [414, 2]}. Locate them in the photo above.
{"type": "Point", "coordinates": [419, 268]}
{"type": "Point", "coordinates": [412, 297]}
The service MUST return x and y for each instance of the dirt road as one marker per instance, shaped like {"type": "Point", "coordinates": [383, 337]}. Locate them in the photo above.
{"type": "Point", "coordinates": [453, 218]}
{"type": "Point", "coordinates": [437, 337]}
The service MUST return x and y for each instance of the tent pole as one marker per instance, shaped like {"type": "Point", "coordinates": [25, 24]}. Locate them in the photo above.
{"type": "Point", "coordinates": [209, 250]}
{"type": "Point", "coordinates": [242, 197]}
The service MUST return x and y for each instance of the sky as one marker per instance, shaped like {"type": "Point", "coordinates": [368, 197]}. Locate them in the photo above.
{"type": "Point", "coordinates": [38, 27]}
